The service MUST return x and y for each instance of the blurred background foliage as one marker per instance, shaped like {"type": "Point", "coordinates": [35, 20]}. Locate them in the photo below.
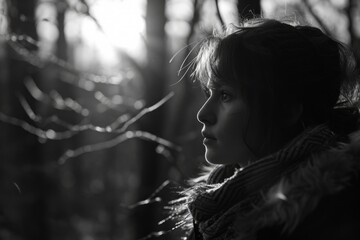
{"type": "Point", "coordinates": [98, 112]}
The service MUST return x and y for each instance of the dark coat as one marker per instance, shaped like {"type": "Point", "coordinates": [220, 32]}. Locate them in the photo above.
{"type": "Point", "coordinates": [319, 200]}
{"type": "Point", "coordinates": [336, 217]}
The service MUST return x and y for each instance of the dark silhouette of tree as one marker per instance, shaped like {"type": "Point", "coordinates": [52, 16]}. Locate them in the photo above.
{"type": "Point", "coordinates": [155, 85]}
{"type": "Point", "coordinates": [25, 209]}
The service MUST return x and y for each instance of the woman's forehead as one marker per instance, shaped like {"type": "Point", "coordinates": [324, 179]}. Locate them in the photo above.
{"type": "Point", "coordinates": [215, 83]}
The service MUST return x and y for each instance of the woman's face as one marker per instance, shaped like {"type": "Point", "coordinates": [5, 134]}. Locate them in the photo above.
{"type": "Point", "coordinates": [225, 121]}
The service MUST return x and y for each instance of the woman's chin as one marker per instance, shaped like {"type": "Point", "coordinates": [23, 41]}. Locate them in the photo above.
{"type": "Point", "coordinates": [215, 158]}
{"type": "Point", "coordinates": [212, 157]}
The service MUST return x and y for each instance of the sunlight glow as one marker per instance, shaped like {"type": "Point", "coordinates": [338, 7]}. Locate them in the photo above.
{"type": "Point", "coordinates": [112, 25]}
{"type": "Point", "coordinates": [122, 21]}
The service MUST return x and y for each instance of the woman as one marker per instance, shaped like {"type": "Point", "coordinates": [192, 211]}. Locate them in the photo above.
{"type": "Point", "coordinates": [279, 128]}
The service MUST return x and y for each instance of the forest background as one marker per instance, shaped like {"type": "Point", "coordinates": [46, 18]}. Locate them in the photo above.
{"type": "Point", "coordinates": [98, 110]}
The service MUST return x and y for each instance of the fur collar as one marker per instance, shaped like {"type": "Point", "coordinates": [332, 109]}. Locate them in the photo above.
{"type": "Point", "coordinates": [285, 203]}
{"type": "Point", "coordinates": [291, 199]}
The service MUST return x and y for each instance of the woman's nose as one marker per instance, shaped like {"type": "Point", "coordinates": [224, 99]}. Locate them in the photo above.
{"type": "Point", "coordinates": [206, 114]}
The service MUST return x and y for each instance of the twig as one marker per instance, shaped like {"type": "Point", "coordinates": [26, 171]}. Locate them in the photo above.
{"type": "Point", "coordinates": [141, 114]}
{"type": "Point", "coordinates": [218, 14]}
{"type": "Point", "coordinates": [50, 134]}
{"type": "Point", "coordinates": [151, 199]}
{"type": "Point", "coordinates": [348, 12]}
{"type": "Point", "coordinates": [115, 141]}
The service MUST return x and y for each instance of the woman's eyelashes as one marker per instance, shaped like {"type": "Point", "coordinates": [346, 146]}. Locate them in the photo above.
{"type": "Point", "coordinates": [221, 94]}
{"type": "Point", "coordinates": [225, 96]}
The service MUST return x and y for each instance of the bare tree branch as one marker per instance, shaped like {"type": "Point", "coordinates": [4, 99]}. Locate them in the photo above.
{"type": "Point", "coordinates": [194, 20]}
{"type": "Point", "coordinates": [218, 14]}
{"type": "Point", "coordinates": [142, 113]}
{"type": "Point", "coordinates": [52, 135]}
{"type": "Point", "coordinates": [114, 142]}
{"type": "Point", "coordinates": [151, 199]}
{"type": "Point", "coordinates": [348, 12]}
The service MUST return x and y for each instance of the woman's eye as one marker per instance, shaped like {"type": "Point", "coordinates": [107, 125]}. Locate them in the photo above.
{"type": "Point", "coordinates": [225, 96]}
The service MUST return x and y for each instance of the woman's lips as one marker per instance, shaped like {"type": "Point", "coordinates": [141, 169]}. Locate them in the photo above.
{"type": "Point", "coordinates": [208, 138]}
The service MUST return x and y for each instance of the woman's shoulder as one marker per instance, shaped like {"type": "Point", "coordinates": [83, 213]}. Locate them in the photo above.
{"type": "Point", "coordinates": [336, 216]}
{"type": "Point", "coordinates": [322, 198]}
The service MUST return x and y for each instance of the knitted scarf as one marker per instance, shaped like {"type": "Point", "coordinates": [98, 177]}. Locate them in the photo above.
{"type": "Point", "coordinates": [230, 190]}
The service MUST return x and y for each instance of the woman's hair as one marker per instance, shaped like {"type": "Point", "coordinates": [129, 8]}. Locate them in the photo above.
{"type": "Point", "coordinates": [275, 64]}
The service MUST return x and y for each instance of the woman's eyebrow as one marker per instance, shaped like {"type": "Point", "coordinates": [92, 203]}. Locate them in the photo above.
{"type": "Point", "coordinates": [215, 84]}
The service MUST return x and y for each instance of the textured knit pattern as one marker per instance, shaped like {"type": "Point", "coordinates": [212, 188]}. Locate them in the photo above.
{"type": "Point", "coordinates": [280, 189]}
{"type": "Point", "coordinates": [261, 174]}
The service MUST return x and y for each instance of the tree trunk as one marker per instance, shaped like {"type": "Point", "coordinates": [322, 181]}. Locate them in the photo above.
{"type": "Point", "coordinates": [150, 176]}
{"type": "Point", "coordinates": [26, 210]}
